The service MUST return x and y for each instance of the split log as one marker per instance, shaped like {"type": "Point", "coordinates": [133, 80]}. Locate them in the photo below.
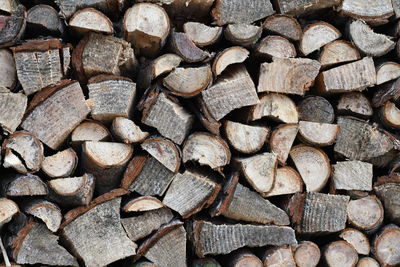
{"type": "Point", "coordinates": [282, 139]}
{"type": "Point", "coordinates": [229, 56]}
{"type": "Point", "coordinates": [355, 76]}
{"type": "Point", "coordinates": [288, 75]}
{"type": "Point", "coordinates": [206, 149]}
{"type": "Point", "coordinates": [233, 90]}
{"type": "Point", "coordinates": [205, 117]}
{"type": "Point", "coordinates": [9, 208]}
{"type": "Point", "coordinates": [386, 247]}
{"type": "Point", "coordinates": [201, 34]}
{"type": "Point", "coordinates": [313, 165]}
{"type": "Point", "coordinates": [373, 12]}
{"type": "Point", "coordinates": [205, 262]}
{"type": "Point", "coordinates": [165, 151]}
{"type": "Point", "coordinates": [287, 181]}
{"type": "Point", "coordinates": [89, 131]}
{"type": "Point", "coordinates": [6, 6]}
{"type": "Point", "coordinates": [386, 92]}
{"type": "Point", "coordinates": [69, 7]}
{"type": "Point", "coordinates": [237, 11]}
{"type": "Point", "coordinates": [12, 26]}
{"type": "Point", "coordinates": [365, 213]}
{"type": "Point", "coordinates": [390, 115]}
{"type": "Point", "coordinates": [275, 46]}
{"type": "Point", "coordinates": [242, 34]}
{"type": "Point", "coordinates": [46, 211]}
{"type": "Point", "coordinates": [317, 35]}
{"type": "Point", "coordinates": [337, 52]}
{"type": "Point", "coordinates": [244, 258]}
{"type": "Point", "coordinates": [307, 254]}
{"type": "Point", "coordinates": [181, 45]}
{"type": "Point", "coordinates": [316, 109]}
{"type": "Point", "coordinates": [367, 262]}
{"type": "Point", "coordinates": [387, 71]}
{"type": "Point", "coordinates": [106, 161]}
{"type": "Point", "coordinates": [21, 185]}
{"type": "Point", "coordinates": [279, 256]}
{"type": "Point", "coordinates": [318, 134]}
{"type": "Point", "coordinates": [303, 7]}
{"type": "Point", "coordinates": [90, 20]}
{"type": "Point", "coordinates": [73, 191]}
{"type": "Point", "coordinates": [142, 204]}
{"type": "Point", "coordinates": [61, 164]}
{"type": "Point", "coordinates": [195, 10]}
{"type": "Point", "coordinates": [44, 19]}
{"type": "Point", "coordinates": [357, 239]}
{"type": "Point", "coordinates": [191, 192]}
{"type": "Point", "coordinates": [352, 175]}
{"type": "Point", "coordinates": [388, 192]}
{"type": "Point", "coordinates": [210, 238]}
{"type": "Point", "coordinates": [62, 107]}
{"type": "Point", "coordinates": [396, 8]}
{"type": "Point", "coordinates": [23, 152]}
{"type": "Point", "coordinates": [340, 253]}
{"type": "Point", "coordinates": [283, 25]}
{"type": "Point", "coordinates": [356, 104]}
{"type": "Point", "coordinates": [245, 138]}
{"type": "Point", "coordinates": [127, 131]}
{"type": "Point", "coordinates": [8, 73]}
{"type": "Point", "coordinates": [146, 26]}
{"type": "Point", "coordinates": [369, 42]}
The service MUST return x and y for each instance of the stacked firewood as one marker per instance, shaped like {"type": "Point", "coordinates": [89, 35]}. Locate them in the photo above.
{"type": "Point", "coordinates": [200, 133]}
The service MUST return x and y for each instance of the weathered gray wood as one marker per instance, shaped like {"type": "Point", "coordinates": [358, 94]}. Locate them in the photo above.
{"type": "Point", "coordinates": [281, 140]}
{"type": "Point", "coordinates": [316, 109]}
{"type": "Point", "coordinates": [181, 45]}
{"type": "Point", "coordinates": [357, 239]}
{"type": "Point", "coordinates": [275, 46]}
{"type": "Point", "coordinates": [201, 34]}
{"type": "Point", "coordinates": [307, 254]}
{"type": "Point", "coordinates": [14, 26]}
{"type": "Point", "coordinates": [20, 185]}
{"type": "Point", "coordinates": [386, 92]}
{"type": "Point", "coordinates": [44, 18]}
{"type": "Point", "coordinates": [61, 164]}
{"type": "Point", "coordinates": [69, 7]}
{"type": "Point", "coordinates": [396, 8]}
{"type": "Point", "coordinates": [90, 20]}
{"type": "Point", "coordinates": [302, 7]}
{"type": "Point", "coordinates": [356, 104]}
{"type": "Point", "coordinates": [242, 34]}
{"type": "Point", "coordinates": [284, 25]}
{"type": "Point", "coordinates": [374, 12]}
{"type": "Point", "coordinates": [352, 175]}
{"type": "Point", "coordinates": [365, 213]}
{"type": "Point", "coordinates": [231, 55]}
{"type": "Point", "coordinates": [338, 51]}
{"type": "Point", "coordinates": [279, 256]}
{"type": "Point", "coordinates": [340, 253]}
{"type": "Point", "coordinates": [164, 151]}
{"type": "Point", "coordinates": [388, 193]}
{"type": "Point", "coordinates": [8, 72]}
{"type": "Point", "coordinates": [46, 211]}
{"type": "Point", "coordinates": [317, 35]}
{"type": "Point", "coordinates": [278, 107]}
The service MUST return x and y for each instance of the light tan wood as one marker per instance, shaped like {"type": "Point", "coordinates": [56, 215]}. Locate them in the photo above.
{"type": "Point", "coordinates": [387, 71]}
{"type": "Point", "coordinates": [242, 34]}
{"type": "Point", "coordinates": [287, 181]}
{"type": "Point", "coordinates": [390, 115]}
{"type": "Point", "coordinates": [372, 11]}
{"type": "Point", "coordinates": [127, 131]}
{"type": "Point", "coordinates": [317, 35]}
{"type": "Point", "coordinates": [307, 254]}
{"type": "Point", "coordinates": [9, 209]}
{"type": "Point", "coordinates": [365, 213]}
{"type": "Point", "coordinates": [352, 175]}
{"type": "Point", "coordinates": [278, 107]}
{"type": "Point", "coordinates": [46, 211]}
{"type": "Point", "coordinates": [339, 51]}
{"type": "Point", "coordinates": [367, 262]}
{"type": "Point", "coordinates": [142, 204]}
{"type": "Point", "coordinates": [357, 239]}
{"type": "Point", "coordinates": [231, 55]}
{"type": "Point", "coordinates": [245, 258]}
{"type": "Point", "coordinates": [318, 134]}
{"type": "Point", "coordinates": [286, 26]}
{"type": "Point", "coordinates": [89, 131]}
{"type": "Point", "coordinates": [279, 257]}
{"type": "Point", "coordinates": [8, 72]}
{"type": "Point", "coordinates": [90, 19]}
{"type": "Point", "coordinates": [201, 34]}
{"type": "Point", "coordinates": [355, 103]}
{"type": "Point", "coordinates": [275, 46]}
{"type": "Point", "coordinates": [340, 254]}
{"type": "Point", "coordinates": [6, 6]}
{"type": "Point", "coordinates": [304, 7]}
{"type": "Point", "coordinates": [61, 164]}
{"type": "Point", "coordinates": [387, 247]}
{"type": "Point", "coordinates": [13, 107]}
{"type": "Point", "coordinates": [165, 151]}
{"type": "Point", "coordinates": [282, 139]}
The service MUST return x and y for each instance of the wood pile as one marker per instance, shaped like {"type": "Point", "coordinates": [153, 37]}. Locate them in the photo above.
{"type": "Point", "coordinates": [159, 133]}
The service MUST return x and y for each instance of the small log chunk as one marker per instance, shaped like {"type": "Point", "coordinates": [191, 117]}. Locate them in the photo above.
{"type": "Point", "coordinates": [388, 192]}
{"type": "Point", "coordinates": [316, 109]}
{"type": "Point", "coordinates": [127, 131]}
{"type": "Point", "coordinates": [287, 181]}
{"type": "Point", "coordinates": [390, 115]}
{"type": "Point", "coordinates": [61, 164]}
{"type": "Point", "coordinates": [201, 34]}
{"type": "Point", "coordinates": [357, 239]}
{"type": "Point", "coordinates": [106, 161]}
{"type": "Point", "coordinates": [90, 20]}
{"type": "Point", "coordinates": [286, 26]}
{"type": "Point", "coordinates": [183, 46]}
{"type": "Point", "coordinates": [313, 165]}
{"type": "Point", "coordinates": [318, 134]}
{"type": "Point", "coordinates": [21, 185]}
{"type": "Point", "coordinates": [229, 56]}
{"type": "Point", "coordinates": [191, 192]}
{"type": "Point", "coordinates": [336, 52]}
{"type": "Point", "coordinates": [356, 104]}
{"type": "Point", "coordinates": [282, 139]}
{"type": "Point", "coordinates": [365, 213]}
{"type": "Point", "coordinates": [386, 247]}
{"type": "Point", "coordinates": [188, 81]}
{"type": "Point", "coordinates": [205, 117]}
{"type": "Point", "coordinates": [6, 6]}
{"type": "Point", "coordinates": [340, 253]}
{"type": "Point", "coordinates": [206, 149]}
{"type": "Point", "coordinates": [259, 171]}
{"type": "Point", "coordinates": [165, 151]}
{"type": "Point", "coordinates": [355, 76]}
{"type": "Point", "coordinates": [387, 71]}
{"type": "Point", "coordinates": [205, 262]}
{"type": "Point", "coordinates": [8, 72]}
{"type": "Point", "coordinates": [386, 92]}
{"type": "Point", "coordinates": [146, 26]}
{"type": "Point", "coordinates": [8, 209]}
{"type": "Point", "coordinates": [195, 10]}
{"type": "Point", "coordinates": [142, 204]}
{"type": "Point", "coordinates": [245, 138]}
{"type": "Point", "coordinates": [352, 175]}
{"type": "Point", "coordinates": [23, 152]}
{"type": "Point", "coordinates": [373, 12]}
{"type": "Point", "coordinates": [288, 75]}
{"type": "Point", "coordinates": [243, 258]}
{"type": "Point", "coordinates": [331, 210]}
{"type": "Point", "coordinates": [35, 244]}
{"type": "Point", "coordinates": [367, 262]}
{"type": "Point", "coordinates": [275, 106]}
{"type": "Point", "coordinates": [103, 220]}
{"type": "Point", "coordinates": [317, 35]}
{"type": "Point", "coordinates": [69, 7]}
{"type": "Point", "coordinates": [62, 107]}
{"type": "Point", "coordinates": [367, 41]}
{"type": "Point", "coordinates": [143, 225]}
{"type": "Point", "coordinates": [302, 7]}
{"type": "Point", "coordinates": [275, 46]}
{"type": "Point", "coordinates": [242, 34]}
{"type": "Point", "coordinates": [44, 19]}
{"type": "Point", "coordinates": [46, 211]}
{"type": "Point", "coordinates": [73, 191]}
{"type": "Point", "coordinates": [210, 238]}
{"type": "Point", "coordinates": [12, 26]}
{"type": "Point", "coordinates": [89, 131]}
{"type": "Point", "coordinates": [307, 254]}
{"type": "Point", "coordinates": [279, 256]}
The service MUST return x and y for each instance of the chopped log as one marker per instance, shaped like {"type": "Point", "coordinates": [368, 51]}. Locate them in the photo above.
{"type": "Point", "coordinates": [386, 92]}
{"type": "Point", "coordinates": [73, 191]}
{"type": "Point", "coordinates": [205, 117]}
{"type": "Point", "coordinates": [69, 7]}
{"type": "Point", "coordinates": [127, 131]}
{"type": "Point", "coordinates": [35, 244]}
{"type": "Point", "coordinates": [233, 90]}
{"type": "Point", "coordinates": [386, 247]}
{"type": "Point", "coordinates": [44, 19]}
{"type": "Point", "coordinates": [46, 211]}
{"type": "Point", "coordinates": [259, 171]}
{"type": "Point", "coordinates": [373, 12]}
{"type": "Point", "coordinates": [367, 262]}
{"type": "Point", "coordinates": [62, 107]}
{"type": "Point", "coordinates": [90, 20]}
{"type": "Point", "coordinates": [8, 73]}
{"type": "Point", "coordinates": [307, 254]}
{"type": "Point", "coordinates": [275, 46]}
{"type": "Point", "coordinates": [356, 104]}
{"type": "Point", "coordinates": [245, 138]}
{"type": "Point", "coordinates": [237, 11]}
{"type": "Point", "coordinates": [13, 107]}
{"type": "Point", "coordinates": [89, 131]}
{"type": "Point", "coordinates": [181, 45]}
{"type": "Point", "coordinates": [106, 161]}
{"type": "Point", "coordinates": [331, 210]}
{"type": "Point", "coordinates": [313, 166]}
{"type": "Point", "coordinates": [195, 10]}
{"type": "Point", "coordinates": [191, 192]}
{"type": "Point", "coordinates": [318, 134]}
{"type": "Point", "coordinates": [242, 34]}
{"type": "Point", "coordinates": [283, 25]}
{"type": "Point", "coordinates": [20, 185]}
{"type": "Point", "coordinates": [8, 209]}
{"type": "Point", "coordinates": [357, 239]}
{"type": "Point", "coordinates": [23, 152]}
{"type": "Point", "coordinates": [287, 181]}
{"type": "Point", "coordinates": [303, 7]}
{"type": "Point", "coordinates": [317, 35]}
{"type": "Point", "coordinates": [61, 164]}
{"type": "Point", "coordinates": [316, 109]}
{"type": "Point", "coordinates": [12, 26]}
{"type": "Point", "coordinates": [205, 262]}
{"type": "Point", "coordinates": [336, 52]}
{"type": "Point", "coordinates": [396, 8]}
{"type": "Point", "coordinates": [388, 192]}
{"type": "Point", "coordinates": [201, 34]}
{"type": "Point", "coordinates": [352, 175]}
{"type": "Point", "coordinates": [210, 238]}
{"type": "Point", "coordinates": [279, 256]}
{"type": "Point", "coordinates": [288, 75]}
{"type": "Point", "coordinates": [164, 151]}
{"type": "Point", "coordinates": [278, 107]}
{"type": "Point", "coordinates": [369, 42]}
{"type": "Point", "coordinates": [146, 26]}
{"type": "Point", "coordinates": [188, 81]}
{"type": "Point", "coordinates": [390, 115]}
{"type": "Point", "coordinates": [355, 76]}
{"type": "Point", "coordinates": [229, 56]}
{"type": "Point", "coordinates": [6, 6]}
{"type": "Point", "coordinates": [365, 213]}
{"type": "Point", "coordinates": [340, 253]}
{"type": "Point", "coordinates": [111, 97]}
{"type": "Point", "coordinates": [244, 258]}
{"type": "Point", "coordinates": [206, 149]}
{"type": "Point", "coordinates": [143, 225]}
{"type": "Point", "coordinates": [103, 220]}
{"type": "Point", "coordinates": [142, 204]}
{"type": "Point", "coordinates": [282, 139]}
{"type": "Point", "coordinates": [387, 71]}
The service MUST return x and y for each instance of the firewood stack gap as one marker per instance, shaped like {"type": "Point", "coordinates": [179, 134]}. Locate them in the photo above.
{"type": "Point", "coordinates": [204, 133]}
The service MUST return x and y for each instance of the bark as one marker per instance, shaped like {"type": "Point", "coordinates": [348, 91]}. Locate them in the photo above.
{"type": "Point", "coordinates": [183, 46]}
{"type": "Point", "coordinates": [386, 92]}
{"type": "Point", "coordinates": [20, 185]}
{"type": "Point", "coordinates": [316, 109]}
{"type": "Point", "coordinates": [12, 26]}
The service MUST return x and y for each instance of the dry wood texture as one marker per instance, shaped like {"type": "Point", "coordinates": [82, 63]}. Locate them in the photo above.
{"type": "Point", "coordinates": [242, 34]}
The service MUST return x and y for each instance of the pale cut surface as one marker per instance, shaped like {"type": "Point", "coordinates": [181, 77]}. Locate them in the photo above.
{"type": "Point", "coordinates": [90, 131]}
{"type": "Point", "coordinates": [143, 204]}
{"type": "Point", "coordinates": [108, 154]}
{"type": "Point", "coordinates": [387, 247]}
{"type": "Point", "coordinates": [282, 139]}
{"type": "Point", "coordinates": [26, 185]}
{"type": "Point", "coordinates": [391, 115]}
{"type": "Point", "coordinates": [201, 34]}
{"type": "Point", "coordinates": [6, 6]}
{"type": "Point", "coordinates": [165, 151]}
{"type": "Point", "coordinates": [286, 26]}
{"type": "Point", "coordinates": [387, 71]}
{"type": "Point", "coordinates": [13, 107]}
{"type": "Point", "coordinates": [8, 73]}
{"type": "Point", "coordinates": [276, 106]}
{"type": "Point", "coordinates": [165, 63]}
{"type": "Point", "coordinates": [231, 55]}
{"type": "Point", "coordinates": [355, 103]}
{"type": "Point", "coordinates": [307, 254]}
{"type": "Point", "coordinates": [367, 262]}
{"type": "Point", "coordinates": [46, 211]}
{"type": "Point", "coordinates": [365, 213]}
{"type": "Point", "coordinates": [61, 164]}
{"type": "Point", "coordinates": [242, 34]}
{"type": "Point", "coordinates": [8, 208]}
{"type": "Point", "coordinates": [279, 256]}
{"type": "Point", "coordinates": [127, 131]}
{"type": "Point", "coordinates": [276, 46]}
{"type": "Point", "coordinates": [67, 186]}
{"type": "Point", "coordinates": [317, 35]}
{"type": "Point", "coordinates": [365, 9]}
{"type": "Point", "coordinates": [90, 19]}
{"type": "Point", "coordinates": [245, 138]}
{"type": "Point", "coordinates": [320, 134]}
{"type": "Point", "coordinates": [287, 181]}
{"type": "Point", "coordinates": [340, 253]}
{"type": "Point", "coordinates": [357, 239]}
{"type": "Point", "coordinates": [338, 51]}
{"type": "Point", "coordinates": [352, 175]}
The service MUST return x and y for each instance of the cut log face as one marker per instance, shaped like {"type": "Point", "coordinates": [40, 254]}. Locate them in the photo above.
{"type": "Point", "coordinates": [372, 11]}
{"type": "Point", "coordinates": [275, 46]}
{"type": "Point", "coordinates": [316, 109]}
{"type": "Point", "coordinates": [90, 20]}
{"type": "Point", "coordinates": [307, 254]}
{"type": "Point", "coordinates": [62, 110]}
{"type": "Point", "coordinates": [287, 181]}
{"type": "Point", "coordinates": [367, 262]}
{"type": "Point", "coordinates": [14, 26]}
{"type": "Point", "coordinates": [337, 52]}
{"type": "Point", "coordinates": [196, 10]}
{"type": "Point", "coordinates": [206, 149]}
{"type": "Point", "coordinates": [142, 204]}
{"type": "Point", "coordinates": [8, 73]}
{"type": "Point", "coordinates": [355, 104]}
{"type": "Point", "coordinates": [244, 258]}
{"type": "Point", "coordinates": [387, 71]}
{"type": "Point", "coordinates": [357, 239]}
{"type": "Point", "coordinates": [184, 47]}
{"type": "Point", "coordinates": [317, 35]}
{"type": "Point", "coordinates": [24, 185]}
{"type": "Point", "coordinates": [231, 55]}
{"type": "Point", "coordinates": [352, 175]}
{"type": "Point", "coordinates": [278, 107]}
{"type": "Point", "coordinates": [282, 139]}
{"type": "Point", "coordinates": [340, 253]}
{"type": "Point", "coordinates": [313, 166]}
{"type": "Point", "coordinates": [164, 151]}
{"type": "Point", "coordinates": [89, 131]}
{"type": "Point", "coordinates": [127, 131]}
{"type": "Point", "coordinates": [302, 7]}
{"type": "Point", "coordinates": [44, 18]}
{"type": "Point", "coordinates": [388, 194]}
{"type": "Point", "coordinates": [242, 34]}
{"type": "Point", "coordinates": [365, 213]}
{"type": "Point", "coordinates": [13, 108]}
{"type": "Point", "coordinates": [289, 75]}
{"type": "Point", "coordinates": [284, 25]}
{"type": "Point", "coordinates": [387, 247]}
{"type": "Point", "coordinates": [6, 6]}
{"type": "Point", "coordinates": [318, 134]}
{"type": "Point", "coordinates": [390, 115]}
{"type": "Point", "coordinates": [9, 208]}
{"type": "Point", "coordinates": [46, 211]}
{"type": "Point", "coordinates": [61, 164]}
{"type": "Point", "coordinates": [201, 34]}
{"type": "Point", "coordinates": [279, 256]}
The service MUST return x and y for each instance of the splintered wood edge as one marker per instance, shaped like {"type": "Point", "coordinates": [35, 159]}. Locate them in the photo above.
{"type": "Point", "coordinates": [295, 209]}
{"type": "Point", "coordinates": [105, 21]}
{"type": "Point", "coordinates": [171, 145]}
{"type": "Point", "coordinates": [143, 203]}
{"type": "Point", "coordinates": [241, 54]}
{"type": "Point", "coordinates": [133, 169]}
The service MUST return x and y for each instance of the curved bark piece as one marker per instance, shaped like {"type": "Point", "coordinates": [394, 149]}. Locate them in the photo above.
{"type": "Point", "coordinates": [142, 204]}
{"type": "Point", "coordinates": [318, 134]}
{"type": "Point", "coordinates": [61, 164]}
{"type": "Point", "coordinates": [201, 34]}
{"type": "Point", "coordinates": [307, 254]}
{"type": "Point", "coordinates": [46, 211]}
{"type": "Point", "coordinates": [242, 34]}
{"type": "Point", "coordinates": [336, 52]}
{"type": "Point", "coordinates": [287, 181]}
{"type": "Point", "coordinates": [90, 20]}
{"type": "Point", "coordinates": [340, 254]}
{"type": "Point", "coordinates": [275, 46]}
{"type": "Point", "coordinates": [317, 35]}
{"type": "Point", "coordinates": [357, 239]}
{"type": "Point", "coordinates": [282, 139]}
{"type": "Point", "coordinates": [278, 107]}
{"type": "Point", "coordinates": [165, 151]}
{"type": "Point", "coordinates": [286, 26]}
{"type": "Point", "coordinates": [231, 55]}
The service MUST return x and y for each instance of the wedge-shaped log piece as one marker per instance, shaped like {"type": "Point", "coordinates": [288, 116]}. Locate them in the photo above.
{"type": "Point", "coordinates": [372, 11]}
{"type": "Point", "coordinates": [44, 19]}
{"type": "Point", "coordinates": [205, 117]}
{"type": "Point", "coordinates": [279, 256]}
{"type": "Point", "coordinates": [287, 181]}
{"type": "Point", "coordinates": [21, 185]}
{"type": "Point", "coordinates": [242, 34]}
{"type": "Point", "coordinates": [365, 213]}
{"type": "Point", "coordinates": [142, 204]}
{"type": "Point", "coordinates": [244, 258]}
{"type": "Point", "coordinates": [164, 151]}
{"type": "Point", "coordinates": [278, 107]}
{"type": "Point", "coordinates": [301, 7]}
{"type": "Point", "coordinates": [340, 253]}
{"type": "Point", "coordinates": [69, 7]}
{"type": "Point", "coordinates": [387, 71]}
{"type": "Point", "coordinates": [90, 20]}
{"type": "Point", "coordinates": [127, 131]}
{"type": "Point", "coordinates": [46, 211]}
{"type": "Point", "coordinates": [89, 131]}
{"type": "Point", "coordinates": [210, 238]}
{"type": "Point", "coordinates": [61, 164]}
{"type": "Point", "coordinates": [8, 72]}
{"type": "Point", "coordinates": [357, 239]}
{"type": "Point", "coordinates": [290, 76]}
{"type": "Point", "coordinates": [14, 25]}
{"type": "Point", "coordinates": [307, 254]}
{"type": "Point", "coordinates": [316, 109]}
{"type": "Point", "coordinates": [190, 192]}
{"type": "Point", "coordinates": [275, 46]}
{"type": "Point", "coordinates": [356, 104]}
{"type": "Point", "coordinates": [181, 45]}
{"type": "Point", "coordinates": [352, 175]}
{"type": "Point", "coordinates": [282, 139]}
{"type": "Point", "coordinates": [201, 34]}
{"type": "Point", "coordinates": [233, 90]}
{"type": "Point", "coordinates": [386, 247]}
{"type": "Point", "coordinates": [9, 208]}
{"type": "Point", "coordinates": [367, 262]}
{"type": "Point", "coordinates": [231, 55]}
{"type": "Point", "coordinates": [390, 115]}
{"type": "Point", "coordinates": [318, 134]}
{"type": "Point", "coordinates": [317, 35]}
{"type": "Point", "coordinates": [337, 52]}
{"type": "Point", "coordinates": [388, 192]}
{"type": "Point", "coordinates": [62, 107]}
{"type": "Point", "coordinates": [286, 26]}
